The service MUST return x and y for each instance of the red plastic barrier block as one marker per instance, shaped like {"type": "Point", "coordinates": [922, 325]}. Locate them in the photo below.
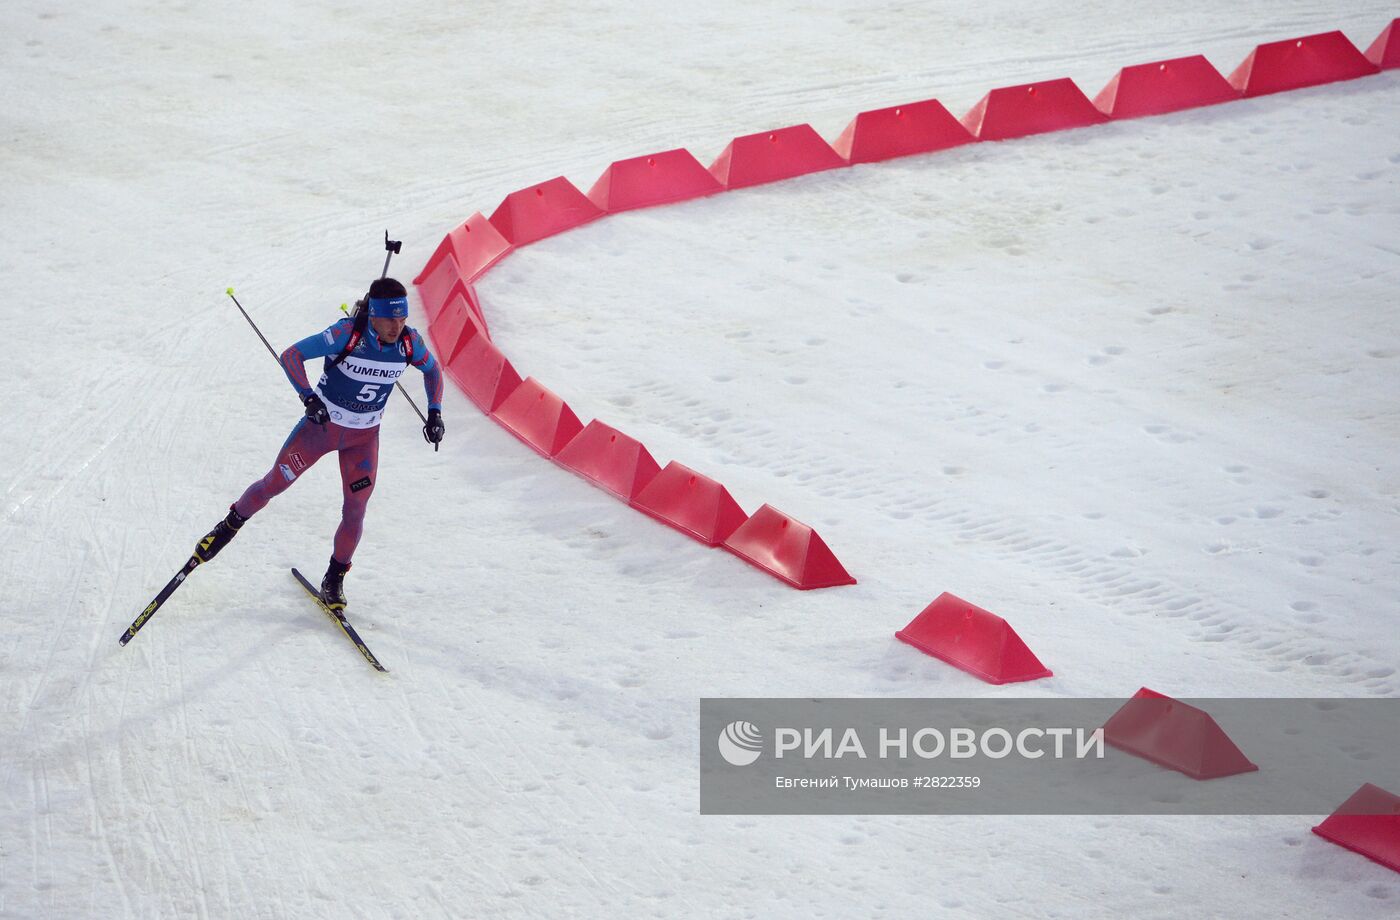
{"type": "Point", "coordinates": [1367, 823]}
{"type": "Point", "coordinates": [483, 373]}
{"type": "Point", "coordinates": [538, 417]}
{"type": "Point", "coordinates": [900, 131]}
{"type": "Point", "coordinates": [1297, 62]}
{"type": "Point", "coordinates": [788, 549]}
{"type": "Point", "coordinates": [474, 304]}
{"type": "Point", "coordinates": [441, 286]}
{"type": "Point", "coordinates": [610, 460]}
{"type": "Point", "coordinates": [1032, 108]}
{"type": "Point", "coordinates": [475, 246]}
{"type": "Point", "coordinates": [691, 502]}
{"type": "Point", "coordinates": [661, 178]}
{"type": "Point", "coordinates": [435, 286]}
{"type": "Point", "coordinates": [1164, 86]}
{"type": "Point", "coordinates": [455, 326]}
{"type": "Point", "coordinates": [968, 637]}
{"type": "Point", "coordinates": [1174, 735]}
{"type": "Point", "coordinates": [772, 155]}
{"type": "Point", "coordinates": [543, 210]}
{"type": "Point", "coordinates": [1385, 50]}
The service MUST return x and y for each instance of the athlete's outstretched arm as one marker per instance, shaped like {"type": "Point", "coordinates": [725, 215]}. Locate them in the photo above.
{"type": "Point", "coordinates": [320, 345]}
{"type": "Point", "coordinates": [432, 372]}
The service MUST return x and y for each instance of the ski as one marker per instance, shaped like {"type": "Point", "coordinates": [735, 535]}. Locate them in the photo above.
{"type": "Point", "coordinates": [340, 621]}
{"type": "Point", "coordinates": [159, 599]}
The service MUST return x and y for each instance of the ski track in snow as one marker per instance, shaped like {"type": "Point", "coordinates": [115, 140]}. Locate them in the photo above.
{"type": "Point", "coordinates": [1127, 386]}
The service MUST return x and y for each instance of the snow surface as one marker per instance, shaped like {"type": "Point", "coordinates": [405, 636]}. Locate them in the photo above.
{"type": "Point", "coordinates": [1133, 387]}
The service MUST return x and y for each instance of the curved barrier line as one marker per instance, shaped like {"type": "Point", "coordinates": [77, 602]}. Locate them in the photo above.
{"type": "Point", "coordinates": [686, 500]}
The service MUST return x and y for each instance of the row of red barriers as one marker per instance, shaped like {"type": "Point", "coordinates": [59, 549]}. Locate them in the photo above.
{"type": "Point", "coordinates": [692, 503]}
{"type": "Point", "coordinates": [1151, 725]}
{"type": "Point", "coordinates": [770, 539]}
{"type": "Point", "coordinates": [919, 127]}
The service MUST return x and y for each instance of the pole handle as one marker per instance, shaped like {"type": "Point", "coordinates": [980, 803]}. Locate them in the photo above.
{"type": "Point", "coordinates": [391, 249]}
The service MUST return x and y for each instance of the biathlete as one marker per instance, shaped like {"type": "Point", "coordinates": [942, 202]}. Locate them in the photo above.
{"type": "Point", "coordinates": [364, 357]}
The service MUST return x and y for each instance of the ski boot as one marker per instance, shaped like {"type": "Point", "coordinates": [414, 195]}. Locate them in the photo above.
{"type": "Point", "coordinates": [218, 538]}
{"type": "Point", "coordinates": [333, 587]}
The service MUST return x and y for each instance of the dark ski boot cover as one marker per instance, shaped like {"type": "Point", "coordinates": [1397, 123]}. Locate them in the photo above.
{"type": "Point", "coordinates": [219, 537]}
{"type": "Point", "coordinates": [333, 585]}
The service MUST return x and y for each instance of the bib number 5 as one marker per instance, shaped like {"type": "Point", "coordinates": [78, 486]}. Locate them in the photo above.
{"type": "Point", "coordinates": [369, 392]}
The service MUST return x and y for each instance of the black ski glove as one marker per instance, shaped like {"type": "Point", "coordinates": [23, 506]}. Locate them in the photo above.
{"type": "Point", "coordinates": [433, 431]}
{"type": "Point", "coordinates": [316, 410]}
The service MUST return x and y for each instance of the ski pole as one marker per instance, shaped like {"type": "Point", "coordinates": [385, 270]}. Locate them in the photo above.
{"type": "Point", "coordinates": [391, 249]}
{"type": "Point", "coordinates": [229, 292]}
